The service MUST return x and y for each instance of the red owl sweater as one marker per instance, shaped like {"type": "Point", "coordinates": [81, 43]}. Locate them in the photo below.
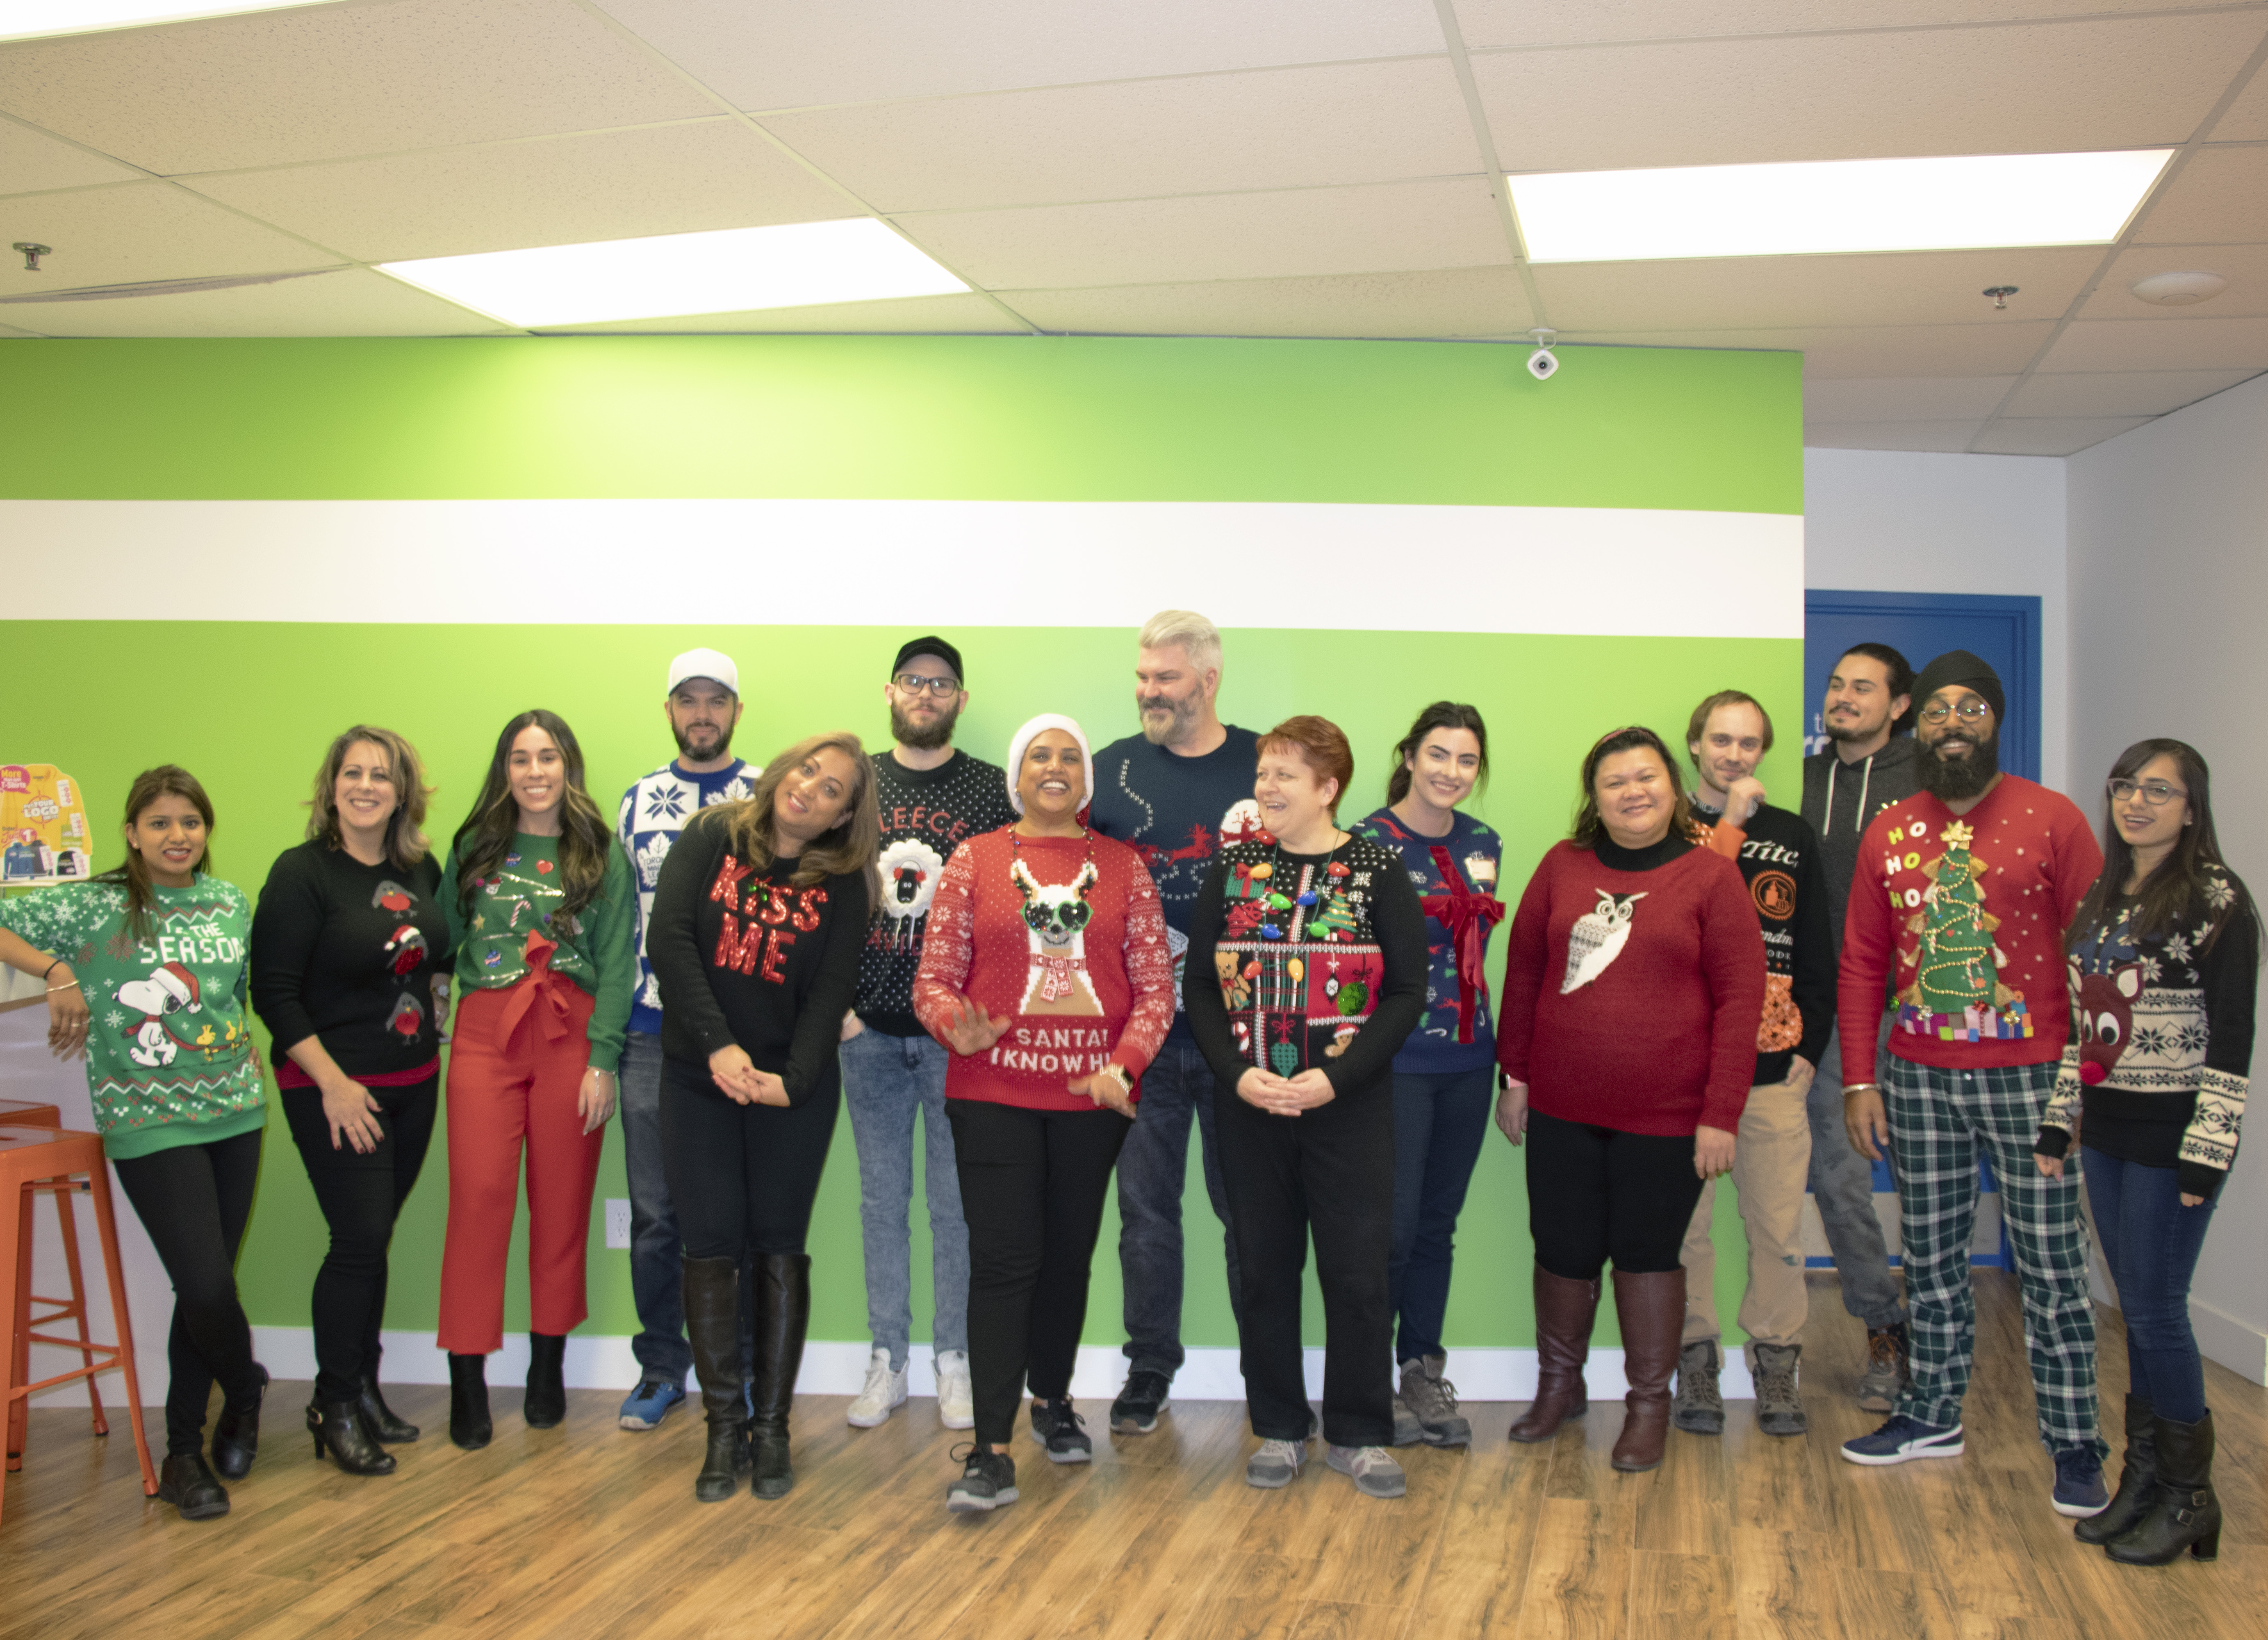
{"type": "Point", "coordinates": [1062, 937]}
{"type": "Point", "coordinates": [1633, 989]}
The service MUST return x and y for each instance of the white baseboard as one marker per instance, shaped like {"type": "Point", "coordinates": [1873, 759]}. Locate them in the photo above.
{"type": "Point", "coordinates": [2237, 1345]}
{"type": "Point", "coordinates": [834, 1368]}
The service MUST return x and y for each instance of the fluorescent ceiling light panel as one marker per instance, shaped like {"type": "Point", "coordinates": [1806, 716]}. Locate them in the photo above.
{"type": "Point", "coordinates": [28, 19]}
{"type": "Point", "coordinates": [730, 271]}
{"type": "Point", "coordinates": [1829, 207]}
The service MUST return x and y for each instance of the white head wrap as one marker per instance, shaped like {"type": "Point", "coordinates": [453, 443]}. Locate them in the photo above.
{"type": "Point", "coordinates": [1022, 739]}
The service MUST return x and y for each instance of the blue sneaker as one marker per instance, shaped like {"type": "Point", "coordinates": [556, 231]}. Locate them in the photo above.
{"type": "Point", "coordinates": [2079, 1489]}
{"type": "Point", "coordinates": [650, 1403]}
{"type": "Point", "coordinates": [1903, 1437]}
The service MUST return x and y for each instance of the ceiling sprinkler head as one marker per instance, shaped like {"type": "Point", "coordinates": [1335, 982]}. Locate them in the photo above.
{"type": "Point", "coordinates": [32, 254]}
{"type": "Point", "coordinates": [2000, 293]}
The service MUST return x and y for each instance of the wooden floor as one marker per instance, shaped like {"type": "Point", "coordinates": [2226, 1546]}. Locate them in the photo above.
{"type": "Point", "coordinates": [587, 1531]}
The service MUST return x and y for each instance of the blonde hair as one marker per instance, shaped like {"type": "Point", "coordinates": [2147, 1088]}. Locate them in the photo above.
{"type": "Point", "coordinates": [1187, 631]}
{"type": "Point", "coordinates": [406, 843]}
{"type": "Point", "coordinates": [855, 846]}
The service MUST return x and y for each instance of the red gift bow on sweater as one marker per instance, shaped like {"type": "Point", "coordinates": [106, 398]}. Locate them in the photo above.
{"type": "Point", "coordinates": [541, 980]}
{"type": "Point", "coordinates": [1468, 917]}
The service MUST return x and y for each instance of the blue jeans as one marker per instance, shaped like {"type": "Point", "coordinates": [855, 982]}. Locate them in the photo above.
{"type": "Point", "coordinates": [657, 1254]}
{"type": "Point", "coordinates": [1842, 1189]}
{"type": "Point", "coordinates": [2151, 1242]}
{"type": "Point", "coordinates": [887, 1081]}
{"type": "Point", "coordinates": [1439, 1124]}
{"type": "Point", "coordinates": [1151, 1170]}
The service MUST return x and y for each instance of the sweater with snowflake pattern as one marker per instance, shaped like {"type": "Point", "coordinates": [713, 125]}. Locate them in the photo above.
{"type": "Point", "coordinates": [653, 812]}
{"type": "Point", "coordinates": [1633, 989]}
{"type": "Point", "coordinates": [2159, 1058]}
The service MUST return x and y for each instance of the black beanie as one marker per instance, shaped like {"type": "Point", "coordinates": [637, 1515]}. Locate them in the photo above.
{"type": "Point", "coordinates": [1959, 666]}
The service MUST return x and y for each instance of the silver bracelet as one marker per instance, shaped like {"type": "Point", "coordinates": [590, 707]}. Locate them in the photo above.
{"type": "Point", "coordinates": [68, 985]}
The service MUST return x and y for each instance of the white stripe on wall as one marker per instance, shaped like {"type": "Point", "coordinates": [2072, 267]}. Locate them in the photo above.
{"type": "Point", "coordinates": [1571, 570]}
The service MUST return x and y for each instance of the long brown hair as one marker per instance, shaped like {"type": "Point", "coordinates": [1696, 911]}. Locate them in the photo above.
{"type": "Point", "coordinates": [168, 780]}
{"type": "Point", "coordinates": [1439, 714]}
{"type": "Point", "coordinates": [2173, 892]}
{"type": "Point", "coordinates": [485, 838]}
{"type": "Point", "coordinates": [1589, 829]}
{"type": "Point", "coordinates": [405, 842]}
{"type": "Point", "coordinates": [855, 846]}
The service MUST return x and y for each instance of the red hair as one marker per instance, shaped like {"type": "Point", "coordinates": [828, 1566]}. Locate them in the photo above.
{"type": "Point", "coordinates": [1320, 745]}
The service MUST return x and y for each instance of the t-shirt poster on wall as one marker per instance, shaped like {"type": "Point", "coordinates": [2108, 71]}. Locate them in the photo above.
{"type": "Point", "coordinates": [43, 834]}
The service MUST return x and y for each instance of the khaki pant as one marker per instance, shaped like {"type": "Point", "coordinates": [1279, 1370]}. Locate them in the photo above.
{"type": "Point", "coordinates": [1772, 1160]}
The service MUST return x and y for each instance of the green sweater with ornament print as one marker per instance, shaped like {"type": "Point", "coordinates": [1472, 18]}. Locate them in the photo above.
{"type": "Point", "coordinates": [169, 1058]}
{"type": "Point", "coordinates": [518, 908]}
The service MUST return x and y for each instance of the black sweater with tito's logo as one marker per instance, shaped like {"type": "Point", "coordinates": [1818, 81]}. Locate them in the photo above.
{"type": "Point", "coordinates": [1778, 855]}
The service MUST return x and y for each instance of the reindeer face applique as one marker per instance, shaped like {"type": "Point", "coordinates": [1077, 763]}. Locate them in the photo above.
{"type": "Point", "coordinates": [1057, 914]}
{"type": "Point", "coordinates": [2103, 1015]}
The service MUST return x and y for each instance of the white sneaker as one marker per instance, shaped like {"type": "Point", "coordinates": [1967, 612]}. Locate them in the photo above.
{"type": "Point", "coordinates": [956, 1396]}
{"type": "Point", "coordinates": [884, 1393]}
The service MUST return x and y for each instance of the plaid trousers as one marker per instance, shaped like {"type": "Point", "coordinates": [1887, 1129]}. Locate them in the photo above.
{"type": "Point", "coordinates": [1939, 1118]}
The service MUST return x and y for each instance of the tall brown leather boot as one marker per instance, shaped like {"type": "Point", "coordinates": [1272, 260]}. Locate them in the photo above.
{"type": "Point", "coordinates": [1565, 1311]}
{"type": "Point", "coordinates": [1651, 1310]}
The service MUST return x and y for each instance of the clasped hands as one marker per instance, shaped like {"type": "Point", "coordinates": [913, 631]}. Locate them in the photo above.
{"type": "Point", "coordinates": [735, 1074]}
{"type": "Point", "coordinates": [971, 1030]}
{"type": "Point", "coordinates": [1284, 1096]}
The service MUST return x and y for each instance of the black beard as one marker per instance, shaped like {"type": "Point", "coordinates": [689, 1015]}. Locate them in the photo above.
{"type": "Point", "coordinates": [914, 737]}
{"type": "Point", "coordinates": [685, 746]}
{"type": "Point", "coordinates": [1837, 731]}
{"type": "Point", "coordinates": [1959, 779]}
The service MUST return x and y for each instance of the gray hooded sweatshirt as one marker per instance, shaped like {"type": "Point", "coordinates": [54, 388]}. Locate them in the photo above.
{"type": "Point", "coordinates": [1840, 799]}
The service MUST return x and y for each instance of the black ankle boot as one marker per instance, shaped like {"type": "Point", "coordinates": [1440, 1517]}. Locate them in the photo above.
{"type": "Point", "coordinates": [185, 1482]}
{"type": "Point", "coordinates": [2183, 1512]}
{"type": "Point", "coordinates": [378, 1417]}
{"type": "Point", "coordinates": [338, 1429]}
{"type": "Point", "coordinates": [782, 1315]}
{"type": "Point", "coordinates": [469, 1425]}
{"type": "Point", "coordinates": [545, 1405]}
{"type": "Point", "coordinates": [2136, 1476]}
{"type": "Point", "coordinates": [236, 1433]}
{"type": "Point", "coordinates": [712, 1327]}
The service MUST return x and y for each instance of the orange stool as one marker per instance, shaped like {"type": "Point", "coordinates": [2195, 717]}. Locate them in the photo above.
{"type": "Point", "coordinates": [35, 1159]}
{"type": "Point", "coordinates": [17, 1112]}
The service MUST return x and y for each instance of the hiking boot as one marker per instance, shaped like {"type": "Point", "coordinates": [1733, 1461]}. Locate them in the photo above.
{"type": "Point", "coordinates": [1433, 1399]}
{"type": "Point", "coordinates": [1136, 1410]}
{"type": "Point", "coordinates": [1886, 1374]}
{"type": "Point", "coordinates": [1276, 1464]}
{"type": "Point", "coordinates": [1374, 1470]}
{"type": "Point", "coordinates": [1700, 1408]}
{"type": "Point", "coordinates": [988, 1481]}
{"type": "Point", "coordinates": [1779, 1410]}
{"type": "Point", "coordinates": [1407, 1431]}
{"type": "Point", "coordinates": [1061, 1431]}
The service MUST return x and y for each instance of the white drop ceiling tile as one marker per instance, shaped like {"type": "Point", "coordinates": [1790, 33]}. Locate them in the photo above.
{"type": "Point", "coordinates": [2024, 89]}
{"type": "Point", "coordinates": [1903, 399]}
{"type": "Point", "coordinates": [2120, 393]}
{"type": "Point", "coordinates": [2245, 267]}
{"type": "Point", "coordinates": [2219, 198]}
{"type": "Point", "coordinates": [1446, 302]}
{"type": "Point", "coordinates": [140, 231]}
{"type": "Point", "coordinates": [2247, 119]}
{"type": "Point", "coordinates": [1836, 353]}
{"type": "Point", "coordinates": [1571, 22]}
{"type": "Point", "coordinates": [958, 315]}
{"type": "Point", "coordinates": [783, 53]}
{"type": "Point", "coordinates": [329, 81]}
{"type": "Point", "coordinates": [2042, 438]}
{"type": "Point", "coordinates": [1760, 292]}
{"type": "Point", "coordinates": [2158, 344]}
{"type": "Point", "coordinates": [30, 160]}
{"type": "Point", "coordinates": [1206, 133]}
{"type": "Point", "coordinates": [1943, 435]}
{"type": "Point", "coordinates": [346, 302]}
{"type": "Point", "coordinates": [567, 190]}
{"type": "Point", "coordinates": [1384, 228]}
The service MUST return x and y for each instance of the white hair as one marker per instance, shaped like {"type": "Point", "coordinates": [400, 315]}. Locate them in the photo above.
{"type": "Point", "coordinates": [1187, 631]}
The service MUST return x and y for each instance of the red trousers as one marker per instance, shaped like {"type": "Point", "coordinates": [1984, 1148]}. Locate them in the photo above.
{"type": "Point", "coordinates": [516, 1064]}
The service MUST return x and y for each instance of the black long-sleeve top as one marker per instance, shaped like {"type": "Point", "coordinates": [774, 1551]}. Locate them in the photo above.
{"type": "Point", "coordinates": [1339, 984]}
{"type": "Point", "coordinates": [346, 953]}
{"type": "Point", "coordinates": [751, 957]}
{"type": "Point", "coordinates": [1779, 854]}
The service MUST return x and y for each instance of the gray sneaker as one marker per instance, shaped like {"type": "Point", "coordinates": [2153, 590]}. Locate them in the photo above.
{"type": "Point", "coordinates": [1885, 1377]}
{"type": "Point", "coordinates": [1276, 1464]}
{"type": "Point", "coordinates": [1432, 1400]}
{"type": "Point", "coordinates": [1407, 1431]}
{"type": "Point", "coordinates": [1779, 1410]}
{"type": "Point", "coordinates": [1373, 1469]}
{"type": "Point", "coordinates": [1700, 1409]}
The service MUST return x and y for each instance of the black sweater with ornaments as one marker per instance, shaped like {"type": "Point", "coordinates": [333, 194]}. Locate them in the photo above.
{"type": "Point", "coordinates": [753, 957]}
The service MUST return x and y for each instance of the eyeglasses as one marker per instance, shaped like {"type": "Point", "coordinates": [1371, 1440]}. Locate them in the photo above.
{"type": "Point", "coordinates": [1968, 711]}
{"type": "Point", "coordinates": [914, 683]}
{"type": "Point", "coordinates": [2156, 793]}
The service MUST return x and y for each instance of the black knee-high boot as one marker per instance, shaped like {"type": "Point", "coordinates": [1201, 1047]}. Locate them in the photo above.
{"type": "Point", "coordinates": [712, 1327]}
{"type": "Point", "coordinates": [2182, 1512]}
{"type": "Point", "coordinates": [782, 1315]}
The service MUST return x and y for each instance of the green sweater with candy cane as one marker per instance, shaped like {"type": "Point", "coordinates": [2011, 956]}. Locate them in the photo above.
{"type": "Point", "coordinates": [169, 1058]}
{"type": "Point", "coordinates": [596, 945]}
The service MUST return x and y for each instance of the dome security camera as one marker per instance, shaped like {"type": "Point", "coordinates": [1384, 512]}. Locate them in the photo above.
{"type": "Point", "coordinates": [1543, 364]}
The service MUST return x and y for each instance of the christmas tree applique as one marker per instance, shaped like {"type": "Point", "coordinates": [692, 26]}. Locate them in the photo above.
{"type": "Point", "coordinates": [1957, 979]}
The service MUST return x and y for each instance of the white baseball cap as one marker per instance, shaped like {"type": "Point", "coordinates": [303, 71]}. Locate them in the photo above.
{"type": "Point", "coordinates": [704, 663]}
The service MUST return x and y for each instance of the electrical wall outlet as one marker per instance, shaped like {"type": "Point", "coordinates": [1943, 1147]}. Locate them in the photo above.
{"type": "Point", "coordinates": [618, 1224]}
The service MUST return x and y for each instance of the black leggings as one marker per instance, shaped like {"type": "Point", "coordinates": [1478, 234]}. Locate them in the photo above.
{"type": "Point", "coordinates": [1032, 1189]}
{"type": "Point", "coordinates": [742, 1177]}
{"type": "Point", "coordinates": [1595, 1194]}
{"type": "Point", "coordinates": [194, 1200]}
{"type": "Point", "coordinates": [361, 1196]}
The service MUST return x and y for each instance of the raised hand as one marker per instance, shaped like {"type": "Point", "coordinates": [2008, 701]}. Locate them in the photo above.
{"type": "Point", "coordinates": [969, 1031]}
